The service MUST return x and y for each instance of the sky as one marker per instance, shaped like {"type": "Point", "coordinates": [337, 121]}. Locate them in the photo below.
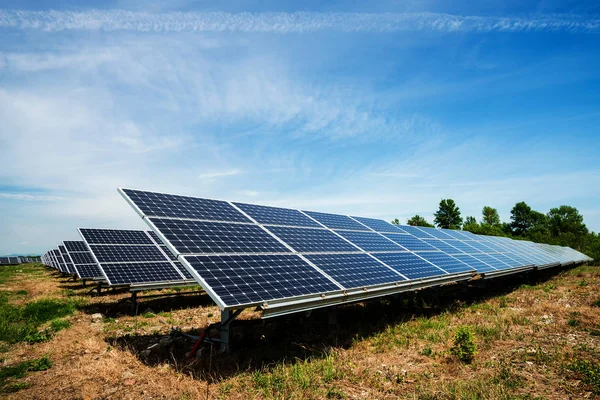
{"type": "Point", "coordinates": [377, 109]}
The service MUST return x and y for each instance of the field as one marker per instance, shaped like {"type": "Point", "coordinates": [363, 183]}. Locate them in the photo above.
{"type": "Point", "coordinates": [527, 337]}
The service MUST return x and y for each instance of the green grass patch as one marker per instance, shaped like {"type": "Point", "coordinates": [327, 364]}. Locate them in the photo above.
{"type": "Point", "coordinates": [22, 322]}
{"type": "Point", "coordinates": [588, 372]}
{"type": "Point", "coordinates": [59, 324]}
{"type": "Point", "coordinates": [9, 374]}
{"type": "Point", "coordinates": [464, 347]}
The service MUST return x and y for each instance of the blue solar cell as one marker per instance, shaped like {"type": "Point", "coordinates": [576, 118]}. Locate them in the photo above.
{"type": "Point", "coordinates": [75, 246]}
{"type": "Point", "coordinates": [277, 216]}
{"type": "Point", "coordinates": [82, 258]}
{"type": "Point", "coordinates": [126, 253]}
{"type": "Point", "coordinates": [111, 236]}
{"type": "Point", "coordinates": [308, 240]}
{"type": "Point", "coordinates": [463, 246]}
{"type": "Point", "coordinates": [125, 274]}
{"type": "Point", "coordinates": [336, 221]}
{"type": "Point", "coordinates": [509, 260]}
{"type": "Point", "coordinates": [410, 242]}
{"type": "Point", "coordinates": [473, 262]}
{"type": "Point", "coordinates": [175, 206]}
{"type": "Point", "coordinates": [445, 262]}
{"type": "Point", "coordinates": [89, 271]}
{"type": "Point", "coordinates": [436, 233]}
{"type": "Point", "coordinates": [460, 235]}
{"type": "Point", "coordinates": [413, 230]}
{"type": "Point", "coordinates": [378, 225]}
{"type": "Point", "coordinates": [491, 260]}
{"type": "Point", "coordinates": [253, 279]}
{"type": "Point", "coordinates": [354, 270]}
{"type": "Point", "coordinates": [481, 247]}
{"type": "Point", "coordinates": [443, 246]}
{"type": "Point", "coordinates": [193, 237]}
{"type": "Point", "coordinates": [410, 265]}
{"type": "Point", "coordinates": [370, 241]}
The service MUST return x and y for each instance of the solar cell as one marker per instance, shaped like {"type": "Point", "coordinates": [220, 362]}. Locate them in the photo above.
{"type": "Point", "coordinates": [144, 272]}
{"type": "Point", "coordinates": [277, 216]}
{"type": "Point", "coordinates": [443, 246]}
{"type": "Point", "coordinates": [126, 253]}
{"type": "Point", "coordinates": [194, 237]}
{"type": "Point", "coordinates": [509, 260]}
{"type": "Point", "coordinates": [413, 230]}
{"type": "Point", "coordinates": [410, 265]}
{"type": "Point", "coordinates": [309, 240]}
{"type": "Point", "coordinates": [354, 270]}
{"type": "Point", "coordinates": [75, 246]}
{"type": "Point", "coordinates": [112, 236]}
{"type": "Point", "coordinates": [479, 265]}
{"type": "Point", "coordinates": [445, 262]}
{"type": "Point", "coordinates": [370, 241]}
{"type": "Point", "coordinates": [174, 206]}
{"type": "Point", "coordinates": [481, 247]}
{"type": "Point", "coordinates": [436, 233]}
{"type": "Point", "coordinates": [250, 279]}
{"type": "Point", "coordinates": [410, 242]}
{"type": "Point", "coordinates": [463, 246]}
{"type": "Point", "coordinates": [378, 225]}
{"type": "Point", "coordinates": [491, 260]}
{"type": "Point", "coordinates": [336, 221]}
{"type": "Point", "coordinates": [460, 235]}
{"type": "Point", "coordinates": [82, 258]}
{"type": "Point", "coordinates": [89, 271]}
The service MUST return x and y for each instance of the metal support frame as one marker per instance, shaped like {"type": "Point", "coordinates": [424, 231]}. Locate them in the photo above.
{"type": "Point", "coordinates": [227, 318]}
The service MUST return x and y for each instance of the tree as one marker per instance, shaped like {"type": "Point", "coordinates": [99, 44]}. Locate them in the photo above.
{"type": "Point", "coordinates": [521, 218]}
{"type": "Point", "coordinates": [395, 221]}
{"type": "Point", "coordinates": [417, 220]}
{"type": "Point", "coordinates": [470, 220]}
{"type": "Point", "coordinates": [564, 220]}
{"type": "Point", "coordinates": [490, 216]}
{"type": "Point", "coordinates": [471, 225]}
{"type": "Point", "coordinates": [448, 215]}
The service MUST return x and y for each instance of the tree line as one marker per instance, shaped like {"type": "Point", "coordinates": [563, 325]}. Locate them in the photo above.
{"type": "Point", "coordinates": [562, 225]}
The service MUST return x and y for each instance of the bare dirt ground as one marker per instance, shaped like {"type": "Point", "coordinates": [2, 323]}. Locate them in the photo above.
{"type": "Point", "coordinates": [533, 335]}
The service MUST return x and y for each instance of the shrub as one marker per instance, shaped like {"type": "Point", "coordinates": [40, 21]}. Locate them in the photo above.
{"type": "Point", "coordinates": [464, 346]}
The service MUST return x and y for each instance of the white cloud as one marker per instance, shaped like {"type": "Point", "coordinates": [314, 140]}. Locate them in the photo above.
{"type": "Point", "coordinates": [29, 197]}
{"type": "Point", "coordinates": [278, 22]}
{"type": "Point", "coordinates": [219, 174]}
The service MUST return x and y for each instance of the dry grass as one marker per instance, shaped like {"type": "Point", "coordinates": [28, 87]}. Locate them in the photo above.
{"type": "Point", "coordinates": [527, 330]}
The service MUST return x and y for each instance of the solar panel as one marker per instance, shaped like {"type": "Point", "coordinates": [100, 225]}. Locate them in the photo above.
{"type": "Point", "coordinates": [335, 221]}
{"type": "Point", "coordinates": [130, 257]}
{"type": "Point", "coordinates": [195, 237]}
{"type": "Point", "coordinates": [285, 260]}
{"type": "Point", "coordinates": [83, 262]}
{"type": "Point", "coordinates": [277, 216]}
{"type": "Point", "coordinates": [355, 270]}
{"type": "Point", "coordinates": [378, 225]}
{"type": "Point", "coordinates": [309, 240]}
{"type": "Point", "coordinates": [250, 279]}
{"type": "Point", "coordinates": [370, 241]}
{"type": "Point", "coordinates": [445, 262]}
{"type": "Point", "coordinates": [508, 260]}
{"type": "Point", "coordinates": [174, 206]}
{"type": "Point", "coordinates": [410, 242]}
{"type": "Point", "coordinates": [410, 265]}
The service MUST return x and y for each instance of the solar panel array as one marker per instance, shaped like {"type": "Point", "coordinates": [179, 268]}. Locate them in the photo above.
{"type": "Point", "coordinates": [130, 257]}
{"type": "Point", "coordinates": [284, 259]}
{"type": "Point", "coordinates": [83, 262]}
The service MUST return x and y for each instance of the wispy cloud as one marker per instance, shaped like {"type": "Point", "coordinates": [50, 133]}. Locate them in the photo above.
{"type": "Point", "coordinates": [219, 174]}
{"type": "Point", "coordinates": [297, 22]}
{"type": "Point", "coordinates": [29, 197]}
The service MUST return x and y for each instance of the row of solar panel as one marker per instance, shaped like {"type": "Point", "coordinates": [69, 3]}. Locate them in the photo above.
{"type": "Point", "coordinates": [118, 257]}
{"type": "Point", "coordinates": [245, 254]}
{"type": "Point", "coordinates": [18, 260]}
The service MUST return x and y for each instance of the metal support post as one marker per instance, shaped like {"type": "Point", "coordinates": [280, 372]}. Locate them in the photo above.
{"type": "Point", "coordinates": [224, 331]}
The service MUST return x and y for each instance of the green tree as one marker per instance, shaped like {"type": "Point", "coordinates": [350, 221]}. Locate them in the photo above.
{"type": "Point", "coordinates": [395, 221]}
{"type": "Point", "coordinates": [471, 225]}
{"type": "Point", "coordinates": [448, 215]}
{"type": "Point", "coordinates": [564, 220]}
{"type": "Point", "coordinates": [417, 220]}
{"type": "Point", "coordinates": [490, 216]}
{"type": "Point", "coordinates": [521, 219]}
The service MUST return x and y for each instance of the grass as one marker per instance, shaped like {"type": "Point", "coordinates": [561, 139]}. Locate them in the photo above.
{"type": "Point", "coordinates": [9, 374]}
{"type": "Point", "coordinates": [22, 322]}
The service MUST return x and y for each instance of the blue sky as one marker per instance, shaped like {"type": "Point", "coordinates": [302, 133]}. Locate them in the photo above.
{"type": "Point", "coordinates": [376, 109]}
